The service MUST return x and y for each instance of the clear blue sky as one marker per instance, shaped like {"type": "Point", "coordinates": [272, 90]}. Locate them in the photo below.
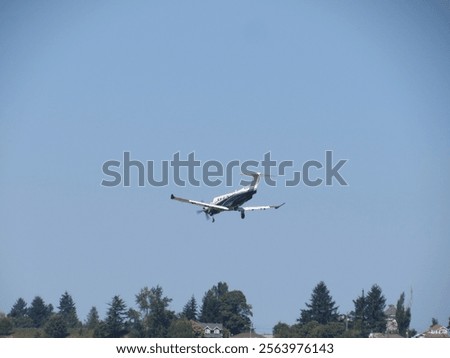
{"type": "Point", "coordinates": [82, 82]}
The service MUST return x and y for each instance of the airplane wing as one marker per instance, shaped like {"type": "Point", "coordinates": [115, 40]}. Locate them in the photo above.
{"type": "Point", "coordinates": [200, 203]}
{"type": "Point", "coordinates": [264, 207]}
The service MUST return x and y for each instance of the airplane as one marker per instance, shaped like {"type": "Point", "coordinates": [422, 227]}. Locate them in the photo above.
{"type": "Point", "coordinates": [231, 201]}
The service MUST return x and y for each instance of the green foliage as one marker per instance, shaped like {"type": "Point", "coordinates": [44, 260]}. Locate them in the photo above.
{"type": "Point", "coordinates": [93, 319]}
{"type": "Point", "coordinates": [101, 331]}
{"type": "Point", "coordinates": [369, 314]}
{"type": "Point", "coordinates": [6, 325]}
{"type": "Point", "coordinates": [235, 312]}
{"type": "Point", "coordinates": [402, 316]}
{"type": "Point", "coordinates": [116, 325]}
{"type": "Point", "coordinates": [321, 308]}
{"type": "Point", "coordinates": [227, 307]}
{"type": "Point", "coordinates": [154, 313]}
{"type": "Point", "coordinates": [375, 305]}
{"type": "Point", "coordinates": [360, 316]}
{"type": "Point", "coordinates": [190, 309]}
{"type": "Point", "coordinates": [67, 311]}
{"type": "Point", "coordinates": [39, 312]}
{"type": "Point", "coordinates": [210, 311]}
{"type": "Point", "coordinates": [312, 329]}
{"type": "Point", "coordinates": [56, 327]}
{"type": "Point", "coordinates": [19, 315]}
{"type": "Point", "coordinates": [181, 328]}
{"type": "Point", "coordinates": [412, 332]}
{"type": "Point", "coordinates": [282, 330]}
{"type": "Point", "coordinates": [135, 324]}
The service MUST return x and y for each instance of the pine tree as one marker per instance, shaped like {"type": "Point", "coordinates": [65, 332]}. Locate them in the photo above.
{"type": "Point", "coordinates": [321, 308]}
{"type": "Point", "coordinates": [93, 319]}
{"type": "Point", "coordinates": [116, 318]}
{"type": "Point", "coordinates": [360, 315]}
{"type": "Point", "coordinates": [39, 312]}
{"type": "Point", "coordinates": [19, 314]}
{"type": "Point", "coordinates": [68, 311]}
{"type": "Point", "coordinates": [190, 309]}
{"type": "Point", "coordinates": [375, 305]}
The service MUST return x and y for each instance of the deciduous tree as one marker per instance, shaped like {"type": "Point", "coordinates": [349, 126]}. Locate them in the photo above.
{"type": "Point", "coordinates": [155, 315]}
{"type": "Point", "coordinates": [235, 312]}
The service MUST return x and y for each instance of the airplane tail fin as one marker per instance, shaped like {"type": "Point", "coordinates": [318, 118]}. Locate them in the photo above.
{"type": "Point", "coordinates": [255, 181]}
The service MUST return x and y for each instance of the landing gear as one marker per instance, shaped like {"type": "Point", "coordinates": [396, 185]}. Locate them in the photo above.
{"type": "Point", "coordinates": [242, 214]}
{"type": "Point", "coordinates": [213, 220]}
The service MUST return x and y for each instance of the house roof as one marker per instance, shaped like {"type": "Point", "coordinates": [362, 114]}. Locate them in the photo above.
{"type": "Point", "coordinates": [390, 311]}
{"type": "Point", "coordinates": [211, 325]}
{"type": "Point", "coordinates": [437, 327]}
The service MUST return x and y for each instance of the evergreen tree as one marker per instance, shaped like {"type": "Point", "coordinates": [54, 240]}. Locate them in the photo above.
{"type": "Point", "coordinates": [93, 319]}
{"type": "Point", "coordinates": [19, 314]}
{"type": "Point", "coordinates": [360, 316]}
{"type": "Point", "coordinates": [402, 316]}
{"type": "Point", "coordinates": [190, 309]}
{"type": "Point", "coordinates": [39, 312]}
{"type": "Point", "coordinates": [56, 327]}
{"type": "Point", "coordinates": [375, 305]}
{"type": "Point", "coordinates": [321, 308]}
{"type": "Point", "coordinates": [116, 318]}
{"type": "Point", "coordinates": [68, 311]}
{"type": "Point", "coordinates": [434, 322]}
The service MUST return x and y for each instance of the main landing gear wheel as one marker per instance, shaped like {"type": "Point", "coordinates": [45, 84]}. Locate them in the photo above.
{"type": "Point", "coordinates": [242, 215]}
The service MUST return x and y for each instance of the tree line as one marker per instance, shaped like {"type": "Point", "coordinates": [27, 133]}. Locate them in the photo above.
{"type": "Point", "coordinates": [320, 318]}
{"type": "Point", "coordinates": [152, 316]}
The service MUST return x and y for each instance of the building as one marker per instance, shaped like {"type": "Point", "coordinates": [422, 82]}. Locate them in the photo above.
{"type": "Point", "coordinates": [437, 331]}
{"type": "Point", "coordinates": [210, 330]}
{"type": "Point", "coordinates": [391, 322]}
